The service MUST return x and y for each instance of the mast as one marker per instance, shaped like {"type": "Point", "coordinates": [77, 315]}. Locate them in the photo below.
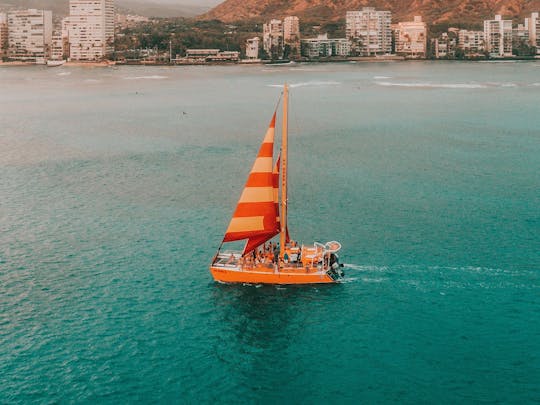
{"type": "Point", "coordinates": [284, 135]}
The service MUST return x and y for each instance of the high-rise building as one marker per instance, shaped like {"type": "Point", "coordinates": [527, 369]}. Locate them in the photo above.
{"type": "Point", "coordinates": [498, 37]}
{"type": "Point", "coordinates": [29, 34]}
{"type": "Point", "coordinates": [291, 29]}
{"type": "Point", "coordinates": [252, 48]}
{"type": "Point", "coordinates": [90, 28]}
{"type": "Point", "coordinates": [3, 34]}
{"type": "Point", "coordinates": [533, 25]}
{"type": "Point", "coordinates": [273, 38]}
{"type": "Point", "coordinates": [291, 34]}
{"type": "Point", "coordinates": [370, 31]}
{"type": "Point", "coordinates": [472, 42]}
{"type": "Point", "coordinates": [411, 38]}
{"type": "Point", "coordinates": [60, 45]}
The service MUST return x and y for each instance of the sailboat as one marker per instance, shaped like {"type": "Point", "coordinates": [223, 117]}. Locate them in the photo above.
{"type": "Point", "coordinates": [260, 216]}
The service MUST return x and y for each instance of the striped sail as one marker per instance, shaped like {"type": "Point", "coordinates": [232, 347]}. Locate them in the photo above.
{"type": "Point", "coordinates": [256, 217]}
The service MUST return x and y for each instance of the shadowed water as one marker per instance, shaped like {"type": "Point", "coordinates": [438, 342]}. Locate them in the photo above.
{"type": "Point", "coordinates": [116, 186]}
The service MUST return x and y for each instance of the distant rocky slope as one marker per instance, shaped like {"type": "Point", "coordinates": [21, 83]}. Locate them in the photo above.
{"type": "Point", "coordinates": [433, 11]}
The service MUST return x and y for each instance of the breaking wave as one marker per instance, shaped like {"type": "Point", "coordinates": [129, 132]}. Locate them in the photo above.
{"type": "Point", "coordinates": [153, 77]}
{"type": "Point", "coordinates": [308, 84]}
{"type": "Point", "coordinates": [382, 77]}
{"type": "Point", "coordinates": [497, 61]}
{"type": "Point", "coordinates": [435, 85]}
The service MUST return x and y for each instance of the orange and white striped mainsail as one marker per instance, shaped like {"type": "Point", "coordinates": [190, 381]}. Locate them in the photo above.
{"type": "Point", "coordinates": [256, 217]}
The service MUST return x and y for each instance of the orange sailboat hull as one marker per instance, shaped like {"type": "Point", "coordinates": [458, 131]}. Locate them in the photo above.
{"type": "Point", "coordinates": [265, 275]}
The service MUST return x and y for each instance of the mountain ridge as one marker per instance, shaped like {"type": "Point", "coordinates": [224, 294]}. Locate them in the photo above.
{"type": "Point", "coordinates": [433, 11]}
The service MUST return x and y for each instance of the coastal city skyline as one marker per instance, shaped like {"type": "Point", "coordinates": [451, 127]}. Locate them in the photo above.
{"type": "Point", "coordinates": [91, 30]}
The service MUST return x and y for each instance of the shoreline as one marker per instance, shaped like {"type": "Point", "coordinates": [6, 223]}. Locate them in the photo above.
{"type": "Point", "coordinates": [353, 59]}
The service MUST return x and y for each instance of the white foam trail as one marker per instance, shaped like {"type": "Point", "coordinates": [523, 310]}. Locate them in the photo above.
{"type": "Point", "coordinates": [373, 280]}
{"type": "Point", "coordinates": [357, 267]}
{"type": "Point", "coordinates": [315, 83]}
{"type": "Point", "coordinates": [63, 74]}
{"type": "Point", "coordinates": [535, 84]}
{"type": "Point", "coordinates": [435, 85]}
{"type": "Point", "coordinates": [348, 280]}
{"type": "Point", "coordinates": [154, 77]}
{"type": "Point", "coordinates": [382, 77]}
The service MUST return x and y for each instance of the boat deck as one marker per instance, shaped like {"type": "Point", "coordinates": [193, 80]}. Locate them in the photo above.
{"type": "Point", "coordinates": [230, 267]}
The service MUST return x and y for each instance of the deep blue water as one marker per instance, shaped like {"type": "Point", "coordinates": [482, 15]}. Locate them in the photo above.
{"type": "Point", "coordinates": [116, 186]}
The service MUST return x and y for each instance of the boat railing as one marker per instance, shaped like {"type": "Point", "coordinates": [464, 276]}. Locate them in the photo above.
{"type": "Point", "coordinates": [227, 258]}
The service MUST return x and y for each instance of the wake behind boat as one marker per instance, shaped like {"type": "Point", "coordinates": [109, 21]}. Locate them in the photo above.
{"type": "Point", "coordinates": [261, 215]}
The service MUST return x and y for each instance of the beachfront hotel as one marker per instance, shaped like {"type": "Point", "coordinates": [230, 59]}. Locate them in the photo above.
{"type": "Point", "coordinates": [323, 47]}
{"type": "Point", "coordinates": [291, 34]}
{"type": "Point", "coordinates": [277, 34]}
{"type": "Point", "coordinates": [472, 42]}
{"type": "Point", "coordinates": [3, 34]}
{"type": "Point", "coordinates": [533, 26]}
{"type": "Point", "coordinates": [273, 38]}
{"type": "Point", "coordinates": [498, 37]}
{"type": "Point", "coordinates": [90, 27]}
{"type": "Point", "coordinates": [411, 38]}
{"type": "Point", "coordinates": [29, 34]}
{"type": "Point", "coordinates": [370, 31]}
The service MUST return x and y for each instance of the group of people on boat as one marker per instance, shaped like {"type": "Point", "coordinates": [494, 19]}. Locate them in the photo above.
{"type": "Point", "coordinates": [268, 254]}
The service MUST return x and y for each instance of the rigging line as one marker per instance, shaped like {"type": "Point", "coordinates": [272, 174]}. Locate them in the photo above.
{"type": "Point", "coordinates": [279, 100]}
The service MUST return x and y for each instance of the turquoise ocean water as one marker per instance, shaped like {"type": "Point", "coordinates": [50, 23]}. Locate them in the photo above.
{"type": "Point", "coordinates": [116, 185]}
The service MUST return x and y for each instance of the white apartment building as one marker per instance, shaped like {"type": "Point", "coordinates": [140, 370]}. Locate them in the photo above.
{"type": "Point", "coordinates": [291, 29]}
{"type": "Point", "coordinates": [90, 28]}
{"type": "Point", "coordinates": [533, 26]}
{"type": "Point", "coordinates": [273, 38]}
{"type": "Point", "coordinates": [3, 34]}
{"type": "Point", "coordinates": [60, 45]}
{"type": "Point", "coordinates": [471, 42]}
{"type": "Point", "coordinates": [411, 38]}
{"type": "Point", "coordinates": [291, 34]}
{"type": "Point", "coordinates": [29, 34]}
{"type": "Point", "coordinates": [370, 31]}
{"type": "Point", "coordinates": [520, 33]}
{"type": "Point", "coordinates": [322, 46]}
{"type": "Point", "coordinates": [252, 48]}
{"type": "Point", "coordinates": [498, 37]}
{"type": "Point", "coordinates": [444, 46]}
